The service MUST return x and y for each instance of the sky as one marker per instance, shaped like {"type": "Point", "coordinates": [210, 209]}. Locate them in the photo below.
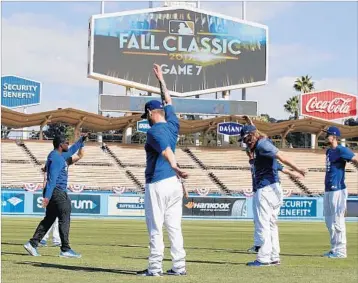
{"type": "Point", "coordinates": [47, 42]}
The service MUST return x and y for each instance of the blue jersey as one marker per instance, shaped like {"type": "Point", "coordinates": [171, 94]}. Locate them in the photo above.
{"type": "Point", "coordinates": [57, 169]}
{"type": "Point", "coordinates": [159, 137]}
{"type": "Point", "coordinates": [252, 167]}
{"type": "Point", "coordinates": [336, 159]}
{"type": "Point", "coordinates": [265, 164]}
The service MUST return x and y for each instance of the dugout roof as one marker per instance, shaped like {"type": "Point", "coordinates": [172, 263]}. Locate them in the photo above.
{"type": "Point", "coordinates": [100, 123]}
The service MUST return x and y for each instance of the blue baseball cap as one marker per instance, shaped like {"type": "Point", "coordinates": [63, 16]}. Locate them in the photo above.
{"type": "Point", "coordinates": [247, 129]}
{"type": "Point", "coordinates": [150, 106]}
{"type": "Point", "coordinates": [333, 131]}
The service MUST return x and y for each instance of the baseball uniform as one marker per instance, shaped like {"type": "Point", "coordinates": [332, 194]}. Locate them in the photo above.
{"type": "Point", "coordinates": [163, 195]}
{"type": "Point", "coordinates": [335, 198]}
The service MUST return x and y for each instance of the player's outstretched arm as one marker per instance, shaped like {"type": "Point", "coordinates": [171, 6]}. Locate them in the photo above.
{"type": "Point", "coordinates": [164, 93]}
{"type": "Point", "coordinates": [169, 155]}
{"type": "Point", "coordinates": [280, 156]}
{"type": "Point", "coordinates": [290, 173]}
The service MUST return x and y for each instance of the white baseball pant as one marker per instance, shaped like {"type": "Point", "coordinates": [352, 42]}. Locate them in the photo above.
{"type": "Point", "coordinates": [334, 207]}
{"type": "Point", "coordinates": [55, 234]}
{"type": "Point", "coordinates": [257, 236]}
{"type": "Point", "coordinates": [163, 205]}
{"type": "Point", "coordinates": [267, 207]}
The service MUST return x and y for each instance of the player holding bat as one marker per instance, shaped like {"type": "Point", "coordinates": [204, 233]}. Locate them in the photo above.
{"type": "Point", "coordinates": [163, 189]}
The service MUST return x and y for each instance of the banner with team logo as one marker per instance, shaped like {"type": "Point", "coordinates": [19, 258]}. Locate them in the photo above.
{"type": "Point", "coordinates": [12, 202]}
{"type": "Point", "coordinates": [207, 206]}
{"type": "Point", "coordinates": [126, 205]}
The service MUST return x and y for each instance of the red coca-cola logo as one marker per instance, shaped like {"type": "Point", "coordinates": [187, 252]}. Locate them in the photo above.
{"type": "Point", "coordinates": [328, 105]}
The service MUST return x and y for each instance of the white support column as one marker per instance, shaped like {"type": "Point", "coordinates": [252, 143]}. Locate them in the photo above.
{"type": "Point", "coordinates": [313, 141]}
{"type": "Point", "coordinates": [100, 90]}
{"type": "Point", "coordinates": [25, 134]}
{"type": "Point", "coordinates": [226, 96]}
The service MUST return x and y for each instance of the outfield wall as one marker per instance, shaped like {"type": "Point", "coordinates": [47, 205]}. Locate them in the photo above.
{"type": "Point", "coordinates": [108, 204]}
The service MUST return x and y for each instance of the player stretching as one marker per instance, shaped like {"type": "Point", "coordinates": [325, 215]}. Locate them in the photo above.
{"type": "Point", "coordinates": [163, 189]}
{"type": "Point", "coordinates": [268, 197]}
{"type": "Point", "coordinates": [257, 236]}
{"type": "Point", "coordinates": [56, 201]}
{"type": "Point", "coordinates": [335, 196]}
{"type": "Point", "coordinates": [54, 228]}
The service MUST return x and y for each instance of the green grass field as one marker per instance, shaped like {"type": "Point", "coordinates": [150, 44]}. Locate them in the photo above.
{"type": "Point", "coordinates": [112, 250]}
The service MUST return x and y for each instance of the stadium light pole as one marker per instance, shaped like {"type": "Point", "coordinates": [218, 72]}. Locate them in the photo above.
{"type": "Point", "coordinates": [243, 11]}
{"type": "Point", "coordinates": [100, 89]}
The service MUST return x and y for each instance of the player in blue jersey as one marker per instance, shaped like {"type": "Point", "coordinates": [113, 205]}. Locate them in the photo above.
{"type": "Point", "coordinates": [56, 200]}
{"type": "Point", "coordinates": [335, 196]}
{"type": "Point", "coordinates": [163, 189]}
{"type": "Point", "coordinates": [257, 236]}
{"type": "Point", "coordinates": [268, 197]}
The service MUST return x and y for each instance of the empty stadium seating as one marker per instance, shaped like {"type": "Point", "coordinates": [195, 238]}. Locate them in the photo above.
{"type": "Point", "coordinates": [100, 170]}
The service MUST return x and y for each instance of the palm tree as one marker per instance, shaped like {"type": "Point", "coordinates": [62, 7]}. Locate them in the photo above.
{"type": "Point", "coordinates": [292, 106]}
{"type": "Point", "coordinates": [304, 84]}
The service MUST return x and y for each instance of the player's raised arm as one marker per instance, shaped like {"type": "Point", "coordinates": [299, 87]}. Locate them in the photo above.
{"type": "Point", "coordinates": [164, 93]}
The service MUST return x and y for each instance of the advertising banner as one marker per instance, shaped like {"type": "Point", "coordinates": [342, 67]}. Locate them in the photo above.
{"type": "Point", "coordinates": [229, 128]}
{"type": "Point", "coordinates": [201, 206]}
{"type": "Point", "coordinates": [352, 208]}
{"type": "Point", "coordinates": [126, 206]}
{"type": "Point", "coordinates": [298, 208]}
{"type": "Point", "coordinates": [328, 105]}
{"type": "Point", "coordinates": [135, 104]}
{"type": "Point", "coordinates": [143, 126]}
{"type": "Point", "coordinates": [19, 92]}
{"type": "Point", "coordinates": [80, 203]}
{"type": "Point", "coordinates": [198, 51]}
{"type": "Point", "coordinates": [12, 202]}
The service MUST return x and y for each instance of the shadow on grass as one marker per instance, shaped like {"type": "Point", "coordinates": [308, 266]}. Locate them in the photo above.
{"type": "Point", "coordinates": [186, 248]}
{"type": "Point", "coordinates": [11, 253]}
{"type": "Point", "coordinates": [77, 268]}
{"type": "Point", "coordinates": [192, 261]}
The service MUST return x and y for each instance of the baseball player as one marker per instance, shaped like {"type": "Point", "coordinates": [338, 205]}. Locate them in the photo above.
{"type": "Point", "coordinates": [56, 200]}
{"type": "Point", "coordinates": [268, 197]}
{"type": "Point", "coordinates": [54, 228]}
{"type": "Point", "coordinates": [335, 196]}
{"type": "Point", "coordinates": [257, 236]}
{"type": "Point", "coordinates": [163, 189]}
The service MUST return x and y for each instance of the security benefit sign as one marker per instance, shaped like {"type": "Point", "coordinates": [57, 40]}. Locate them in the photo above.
{"type": "Point", "coordinates": [143, 126]}
{"type": "Point", "coordinates": [299, 207]}
{"type": "Point", "coordinates": [80, 203]}
{"type": "Point", "coordinates": [126, 206]}
{"type": "Point", "coordinates": [229, 128]}
{"type": "Point", "coordinates": [12, 202]}
{"type": "Point", "coordinates": [19, 92]}
{"type": "Point", "coordinates": [201, 206]}
{"type": "Point", "coordinates": [199, 52]}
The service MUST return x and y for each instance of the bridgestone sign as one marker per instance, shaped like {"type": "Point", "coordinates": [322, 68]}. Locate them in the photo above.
{"type": "Point", "coordinates": [199, 52]}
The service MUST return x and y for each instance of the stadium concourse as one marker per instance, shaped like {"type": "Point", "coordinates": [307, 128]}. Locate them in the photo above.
{"type": "Point", "coordinates": [222, 171]}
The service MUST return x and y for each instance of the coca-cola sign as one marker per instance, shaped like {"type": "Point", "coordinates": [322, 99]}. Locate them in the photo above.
{"type": "Point", "coordinates": [328, 105]}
